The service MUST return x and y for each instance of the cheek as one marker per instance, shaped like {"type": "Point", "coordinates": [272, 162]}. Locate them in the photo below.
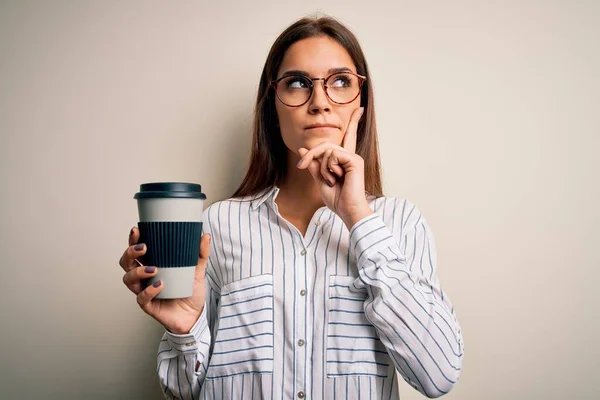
{"type": "Point", "coordinates": [283, 115]}
{"type": "Point", "coordinates": [346, 118]}
{"type": "Point", "coordinates": [287, 127]}
{"type": "Point", "coordinates": [285, 120]}
{"type": "Point", "coordinates": [348, 111]}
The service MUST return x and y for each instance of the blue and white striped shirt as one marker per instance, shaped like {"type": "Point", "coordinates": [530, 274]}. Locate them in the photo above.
{"type": "Point", "coordinates": [334, 314]}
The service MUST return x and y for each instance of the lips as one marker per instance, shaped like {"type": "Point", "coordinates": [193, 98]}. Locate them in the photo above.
{"type": "Point", "coordinates": [314, 126]}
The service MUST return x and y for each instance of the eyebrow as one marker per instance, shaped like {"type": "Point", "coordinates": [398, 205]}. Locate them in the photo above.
{"type": "Point", "coordinates": [329, 72]}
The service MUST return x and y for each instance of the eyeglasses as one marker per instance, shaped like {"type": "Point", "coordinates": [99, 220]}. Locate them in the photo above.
{"type": "Point", "coordinates": [295, 90]}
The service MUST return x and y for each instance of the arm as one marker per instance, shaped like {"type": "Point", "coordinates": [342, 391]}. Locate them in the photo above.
{"type": "Point", "coordinates": [412, 315]}
{"type": "Point", "coordinates": [183, 359]}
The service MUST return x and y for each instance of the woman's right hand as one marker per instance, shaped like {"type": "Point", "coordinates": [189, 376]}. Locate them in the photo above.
{"type": "Point", "coordinates": [176, 315]}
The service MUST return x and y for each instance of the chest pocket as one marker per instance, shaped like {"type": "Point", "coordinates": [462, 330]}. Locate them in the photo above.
{"type": "Point", "coordinates": [244, 339]}
{"type": "Point", "coordinates": [353, 347]}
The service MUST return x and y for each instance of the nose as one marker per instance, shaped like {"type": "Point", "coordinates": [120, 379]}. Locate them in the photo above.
{"type": "Point", "coordinates": [319, 102]}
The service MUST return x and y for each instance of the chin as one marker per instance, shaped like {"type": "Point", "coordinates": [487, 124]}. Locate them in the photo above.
{"type": "Point", "coordinates": [314, 142]}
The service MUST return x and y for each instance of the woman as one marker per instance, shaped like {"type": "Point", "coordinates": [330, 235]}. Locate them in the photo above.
{"type": "Point", "coordinates": [308, 285]}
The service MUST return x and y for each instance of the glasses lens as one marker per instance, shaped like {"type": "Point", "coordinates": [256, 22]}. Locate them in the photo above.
{"type": "Point", "coordinates": [294, 90]}
{"type": "Point", "coordinates": [343, 87]}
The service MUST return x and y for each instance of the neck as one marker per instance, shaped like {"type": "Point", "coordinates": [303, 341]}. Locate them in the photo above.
{"type": "Point", "coordinates": [298, 193]}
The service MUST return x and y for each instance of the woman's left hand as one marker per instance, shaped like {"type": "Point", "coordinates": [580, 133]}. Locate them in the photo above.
{"type": "Point", "coordinates": [340, 175]}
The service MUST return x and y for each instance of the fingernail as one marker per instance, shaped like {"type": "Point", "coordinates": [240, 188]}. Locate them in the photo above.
{"type": "Point", "coordinates": [331, 183]}
{"type": "Point", "coordinates": [156, 284]}
{"type": "Point", "coordinates": [362, 110]}
{"type": "Point", "coordinates": [298, 164]}
{"type": "Point", "coordinates": [131, 232]}
{"type": "Point", "coordinates": [149, 270]}
{"type": "Point", "coordinates": [138, 247]}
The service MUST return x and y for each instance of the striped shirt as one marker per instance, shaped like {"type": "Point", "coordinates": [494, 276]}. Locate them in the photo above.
{"type": "Point", "coordinates": [333, 314]}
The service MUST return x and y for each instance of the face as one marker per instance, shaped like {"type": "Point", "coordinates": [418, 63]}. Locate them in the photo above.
{"type": "Point", "coordinates": [304, 126]}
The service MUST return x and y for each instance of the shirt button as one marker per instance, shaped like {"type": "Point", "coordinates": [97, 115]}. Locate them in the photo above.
{"type": "Point", "coordinates": [303, 252]}
{"type": "Point", "coordinates": [317, 223]}
{"type": "Point", "coordinates": [302, 292]}
{"type": "Point", "coordinates": [300, 342]}
{"type": "Point", "coordinates": [301, 395]}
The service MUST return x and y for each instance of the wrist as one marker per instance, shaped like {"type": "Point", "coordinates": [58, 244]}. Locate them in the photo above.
{"type": "Point", "coordinates": [356, 215]}
{"type": "Point", "coordinates": [179, 330]}
{"type": "Point", "coordinates": [184, 327]}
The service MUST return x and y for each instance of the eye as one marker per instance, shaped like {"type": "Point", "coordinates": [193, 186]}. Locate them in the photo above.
{"type": "Point", "coordinates": [341, 81]}
{"type": "Point", "coordinates": [296, 82]}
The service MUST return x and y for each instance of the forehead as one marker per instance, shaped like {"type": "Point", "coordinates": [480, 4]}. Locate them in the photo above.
{"type": "Point", "coordinates": [316, 55]}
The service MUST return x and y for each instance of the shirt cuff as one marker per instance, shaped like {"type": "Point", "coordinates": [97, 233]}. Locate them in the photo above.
{"type": "Point", "coordinates": [191, 341]}
{"type": "Point", "coordinates": [368, 236]}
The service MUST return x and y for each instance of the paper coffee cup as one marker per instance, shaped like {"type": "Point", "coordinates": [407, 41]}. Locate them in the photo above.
{"type": "Point", "coordinates": [170, 224]}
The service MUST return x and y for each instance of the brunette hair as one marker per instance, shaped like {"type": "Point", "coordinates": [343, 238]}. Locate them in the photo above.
{"type": "Point", "coordinates": [268, 158]}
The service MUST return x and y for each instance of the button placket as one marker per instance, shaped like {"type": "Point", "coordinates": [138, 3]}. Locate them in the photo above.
{"type": "Point", "coordinates": [303, 263]}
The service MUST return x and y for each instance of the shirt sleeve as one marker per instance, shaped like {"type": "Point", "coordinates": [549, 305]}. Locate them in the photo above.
{"type": "Point", "coordinates": [412, 315]}
{"type": "Point", "coordinates": [183, 360]}
{"type": "Point", "coordinates": [178, 357]}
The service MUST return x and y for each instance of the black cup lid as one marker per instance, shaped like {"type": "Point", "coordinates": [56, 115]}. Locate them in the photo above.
{"type": "Point", "coordinates": [157, 190]}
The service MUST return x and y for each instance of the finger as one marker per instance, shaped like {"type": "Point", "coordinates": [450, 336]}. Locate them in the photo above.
{"type": "Point", "coordinates": [313, 167]}
{"type": "Point", "coordinates": [342, 160]}
{"type": "Point", "coordinates": [133, 279]}
{"type": "Point", "coordinates": [349, 142]}
{"type": "Point", "coordinates": [203, 256]}
{"type": "Point", "coordinates": [327, 175]}
{"type": "Point", "coordinates": [134, 236]}
{"type": "Point", "coordinates": [334, 166]}
{"type": "Point", "coordinates": [314, 153]}
{"type": "Point", "coordinates": [205, 247]}
{"type": "Point", "coordinates": [145, 297]}
{"type": "Point", "coordinates": [128, 259]}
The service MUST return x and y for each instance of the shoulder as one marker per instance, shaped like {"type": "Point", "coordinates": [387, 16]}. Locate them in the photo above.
{"type": "Point", "coordinates": [231, 207]}
{"type": "Point", "coordinates": [223, 207]}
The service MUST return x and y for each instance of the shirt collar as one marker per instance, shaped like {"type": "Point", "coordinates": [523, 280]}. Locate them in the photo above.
{"type": "Point", "coordinates": [264, 195]}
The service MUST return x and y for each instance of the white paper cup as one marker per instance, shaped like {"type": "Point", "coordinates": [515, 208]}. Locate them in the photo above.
{"type": "Point", "coordinates": [170, 223]}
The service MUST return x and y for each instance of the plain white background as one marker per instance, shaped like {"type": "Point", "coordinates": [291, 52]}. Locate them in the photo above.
{"type": "Point", "coordinates": [488, 117]}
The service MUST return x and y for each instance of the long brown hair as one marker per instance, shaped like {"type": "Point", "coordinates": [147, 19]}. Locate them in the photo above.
{"type": "Point", "coordinates": [268, 158]}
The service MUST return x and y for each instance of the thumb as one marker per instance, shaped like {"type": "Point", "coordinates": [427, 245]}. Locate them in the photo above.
{"type": "Point", "coordinates": [349, 141]}
{"type": "Point", "coordinates": [203, 256]}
